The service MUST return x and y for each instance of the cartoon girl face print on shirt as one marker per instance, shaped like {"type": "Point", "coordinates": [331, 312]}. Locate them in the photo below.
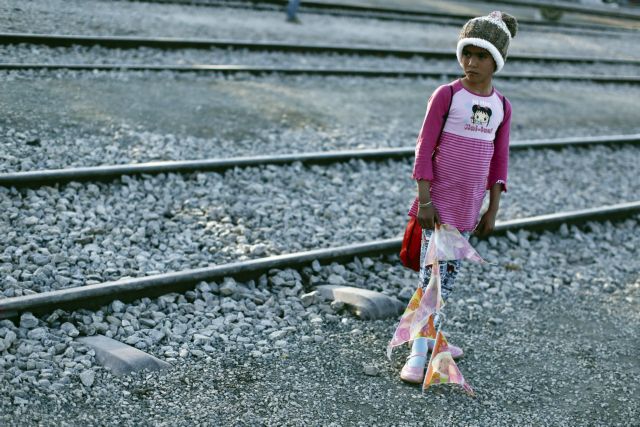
{"type": "Point", "coordinates": [481, 115]}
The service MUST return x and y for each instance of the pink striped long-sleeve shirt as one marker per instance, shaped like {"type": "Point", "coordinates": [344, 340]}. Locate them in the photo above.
{"type": "Point", "coordinates": [468, 157]}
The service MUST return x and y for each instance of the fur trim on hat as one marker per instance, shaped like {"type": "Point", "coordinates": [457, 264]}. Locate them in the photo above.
{"type": "Point", "coordinates": [483, 44]}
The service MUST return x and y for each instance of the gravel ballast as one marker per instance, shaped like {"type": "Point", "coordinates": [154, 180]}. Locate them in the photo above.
{"type": "Point", "coordinates": [549, 333]}
{"type": "Point", "coordinates": [62, 119]}
{"type": "Point", "coordinates": [548, 326]}
{"type": "Point", "coordinates": [75, 234]}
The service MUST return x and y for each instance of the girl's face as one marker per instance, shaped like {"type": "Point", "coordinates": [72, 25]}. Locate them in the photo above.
{"type": "Point", "coordinates": [477, 63]}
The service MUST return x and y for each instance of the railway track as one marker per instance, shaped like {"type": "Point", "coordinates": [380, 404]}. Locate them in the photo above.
{"type": "Point", "coordinates": [92, 296]}
{"type": "Point", "coordinates": [55, 40]}
{"type": "Point", "coordinates": [624, 13]}
{"type": "Point", "coordinates": [77, 247]}
{"type": "Point", "coordinates": [108, 172]}
{"type": "Point", "coordinates": [262, 70]}
{"type": "Point", "coordinates": [417, 15]}
{"type": "Point", "coordinates": [564, 6]}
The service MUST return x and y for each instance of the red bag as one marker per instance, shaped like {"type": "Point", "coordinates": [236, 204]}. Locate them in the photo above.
{"type": "Point", "coordinates": [410, 250]}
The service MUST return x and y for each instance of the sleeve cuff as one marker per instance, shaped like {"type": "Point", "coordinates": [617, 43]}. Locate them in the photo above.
{"type": "Point", "coordinates": [498, 181]}
{"type": "Point", "coordinates": [420, 177]}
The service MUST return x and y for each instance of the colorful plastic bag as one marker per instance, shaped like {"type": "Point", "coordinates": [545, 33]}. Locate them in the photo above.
{"type": "Point", "coordinates": [447, 244]}
{"type": "Point", "coordinates": [403, 332]}
{"type": "Point", "coordinates": [442, 368]}
{"type": "Point", "coordinates": [417, 321]}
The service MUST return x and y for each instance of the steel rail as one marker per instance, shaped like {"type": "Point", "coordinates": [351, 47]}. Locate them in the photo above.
{"type": "Point", "coordinates": [261, 70]}
{"type": "Point", "coordinates": [128, 289]}
{"type": "Point", "coordinates": [109, 172]}
{"type": "Point", "coordinates": [57, 40]}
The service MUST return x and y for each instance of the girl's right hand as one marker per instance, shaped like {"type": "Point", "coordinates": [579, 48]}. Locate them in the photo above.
{"type": "Point", "coordinates": [428, 217]}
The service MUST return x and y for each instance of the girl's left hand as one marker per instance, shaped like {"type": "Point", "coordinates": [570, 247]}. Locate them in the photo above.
{"type": "Point", "coordinates": [487, 224]}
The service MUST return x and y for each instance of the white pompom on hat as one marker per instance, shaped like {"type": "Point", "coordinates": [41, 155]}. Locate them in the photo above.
{"type": "Point", "coordinates": [492, 32]}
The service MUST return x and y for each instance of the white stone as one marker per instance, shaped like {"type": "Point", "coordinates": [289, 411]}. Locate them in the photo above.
{"type": "Point", "coordinates": [308, 299]}
{"type": "Point", "coordinates": [276, 335]}
{"type": "Point", "coordinates": [370, 370]}
{"type": "Point", "coordinates": [87, 377]}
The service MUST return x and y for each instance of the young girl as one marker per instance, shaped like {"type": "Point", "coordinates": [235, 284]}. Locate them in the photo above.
{"type": "Point", "coordinates": [462, 151]}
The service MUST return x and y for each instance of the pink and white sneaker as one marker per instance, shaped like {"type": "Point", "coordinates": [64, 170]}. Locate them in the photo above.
{"type": "Point", "coordinates": [413, 374]}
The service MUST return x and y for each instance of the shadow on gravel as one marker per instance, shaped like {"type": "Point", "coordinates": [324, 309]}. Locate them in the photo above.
{"type": "Point", "coordinates": [567, 361]}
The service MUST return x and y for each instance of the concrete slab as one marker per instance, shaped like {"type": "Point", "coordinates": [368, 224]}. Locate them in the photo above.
{"type": "Point", "coordinates": [121, 358]}
{"type": "Point", "coordinates": [364, 303]}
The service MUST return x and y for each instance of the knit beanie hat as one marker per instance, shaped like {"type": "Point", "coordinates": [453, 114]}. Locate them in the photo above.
{"type": "Point", "coordinates": [492, 32]}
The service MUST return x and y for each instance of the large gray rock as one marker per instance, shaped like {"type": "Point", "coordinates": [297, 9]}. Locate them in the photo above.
{"type": "Point", "coordinates": [229, 287]}
{"type": "Point", "coordinates": [122, 359]}
{"type": "Point", "coordinates": [9, 339]}
{"type": "Point", "coordinates": [28, 321]}
{"type": "Point", "coordinates": [364, 303]}
{"type": "Point", "coordinates": [37, 334]}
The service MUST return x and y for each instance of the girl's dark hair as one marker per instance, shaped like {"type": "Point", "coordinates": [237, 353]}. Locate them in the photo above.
{"type": "Point", "coordinates": [477, 107]}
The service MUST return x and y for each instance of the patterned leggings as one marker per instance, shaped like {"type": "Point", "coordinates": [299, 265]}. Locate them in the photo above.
{"type": "Point", "coordinates": [448, 269]}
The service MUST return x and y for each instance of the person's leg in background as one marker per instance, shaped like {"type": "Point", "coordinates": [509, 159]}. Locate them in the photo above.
{"type": "Point", "coordinates": [292, 10]}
